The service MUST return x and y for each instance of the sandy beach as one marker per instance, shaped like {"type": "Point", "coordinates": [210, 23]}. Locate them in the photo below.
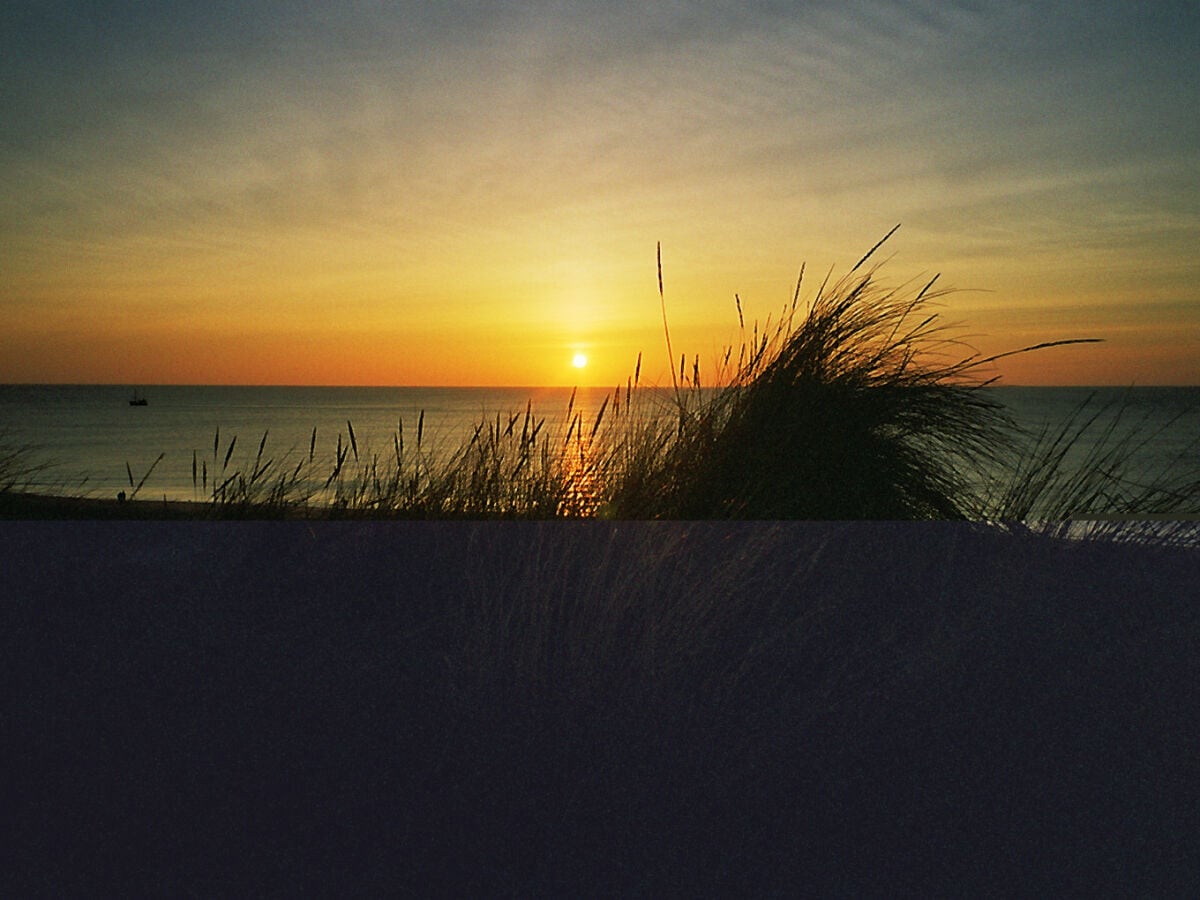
{"type": "Point", "coordinates": [25, 506]}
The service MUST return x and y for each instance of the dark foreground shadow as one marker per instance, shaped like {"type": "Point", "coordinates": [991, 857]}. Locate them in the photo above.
{"type": "Point", "coordinates": [579, 708]}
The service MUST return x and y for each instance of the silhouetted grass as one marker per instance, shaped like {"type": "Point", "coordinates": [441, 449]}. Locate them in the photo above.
{"type": "Point", "coordinates": [1105, 491]}
{"type": "Point", "coordinates": [24, 467]}
{"type": "Point", "coordinates": [849, 409]}
{"type": "Point", "coordinates": [16, 465]}
{"type": "Point", "coordinates": [857, 403]}
{"type": "Point", "coordinates": [509, 467]}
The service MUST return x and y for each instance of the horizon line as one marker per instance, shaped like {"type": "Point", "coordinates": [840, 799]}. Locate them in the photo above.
{"type": "Point", "coordinates": [502, 387]}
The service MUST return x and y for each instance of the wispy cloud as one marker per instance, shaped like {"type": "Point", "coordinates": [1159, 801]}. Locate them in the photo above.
{"type": "Point", "coordinates": [390, 153]}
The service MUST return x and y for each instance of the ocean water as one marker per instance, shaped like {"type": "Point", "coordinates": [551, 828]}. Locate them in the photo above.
{"type": "Point", "coordinates": [91, 438]}
{"type": "Point", "coordinates": [1162, 424]}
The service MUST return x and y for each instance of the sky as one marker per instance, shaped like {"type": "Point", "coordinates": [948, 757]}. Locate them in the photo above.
{"type": "Point", "coordinates": [472, 193]}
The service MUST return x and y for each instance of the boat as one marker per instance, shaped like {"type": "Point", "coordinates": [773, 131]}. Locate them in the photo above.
{"type": "Point", "coordinates": [138, 400]}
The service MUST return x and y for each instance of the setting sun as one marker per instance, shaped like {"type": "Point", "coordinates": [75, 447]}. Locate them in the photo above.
{"type": "Point", "coordinates": [579, 360]}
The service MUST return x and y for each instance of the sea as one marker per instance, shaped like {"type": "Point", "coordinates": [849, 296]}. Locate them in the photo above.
{"type": "Point", "coordinates": [90, 440]}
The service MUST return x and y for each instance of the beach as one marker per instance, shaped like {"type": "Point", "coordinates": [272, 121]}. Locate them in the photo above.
{"type": "Point", "coordinates": [33, 507]}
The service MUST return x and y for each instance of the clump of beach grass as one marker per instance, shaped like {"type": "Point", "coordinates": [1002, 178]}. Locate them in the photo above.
{"type": "Point", "coordinates": [861, 406]}
{"type": "Point", "coordinates": [511, 466]}
{"type": "Point", "coordinates": [264, 487]}
{"type": "Point", "coordinates": [507, 468]}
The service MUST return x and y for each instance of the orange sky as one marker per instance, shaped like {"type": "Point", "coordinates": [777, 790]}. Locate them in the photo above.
{"type": "Point", "coordinates": [404, 196]}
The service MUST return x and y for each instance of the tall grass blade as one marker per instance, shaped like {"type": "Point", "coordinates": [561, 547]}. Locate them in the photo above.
{"type": "Point", "coordinates": [662, 300]}
{"type": "Point", "coordinates": [871, 252]}
{"type": "Point", "coordinates": [599, 417]}
{"type": "Point", "coordinates": [1042, 346]}
{"type": "Point", "coordinates": [153, 465]}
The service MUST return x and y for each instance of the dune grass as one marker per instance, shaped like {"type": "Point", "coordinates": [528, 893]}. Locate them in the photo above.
{"type": "Point", "coordinates": [863, 405]}
{"type": "Point", "coordinates": [850, 409]}
{"type": "Point", "coordinates": [854, 408]}
{"type": "Point", "coordinates": [509, 467]}
{"type": "Point", "coordinates": [14, 466]}
{"type": "Point", "coordinates": [1049, 482]}
{"type": "Point", "coordinates": [23, 467]}
{"type": "Point", "coordinates": [856, 403]}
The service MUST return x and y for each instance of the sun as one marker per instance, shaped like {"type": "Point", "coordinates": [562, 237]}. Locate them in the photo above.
{"type": "Point", "coordinates": [579, 360]}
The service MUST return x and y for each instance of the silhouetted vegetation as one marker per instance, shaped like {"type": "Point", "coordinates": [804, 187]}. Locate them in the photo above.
{"type": "Point", "coordinates": [857, 403]}
{"type": "Point", "coordinates": [847, 410]}
{"type": "Point", "coordinates": [21, 466]}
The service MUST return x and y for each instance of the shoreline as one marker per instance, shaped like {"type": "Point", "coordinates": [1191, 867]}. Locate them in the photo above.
{"type": "Point", "coordinates": [25, 505]}
{"type": "Point", "coordinates": [31, 506]}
